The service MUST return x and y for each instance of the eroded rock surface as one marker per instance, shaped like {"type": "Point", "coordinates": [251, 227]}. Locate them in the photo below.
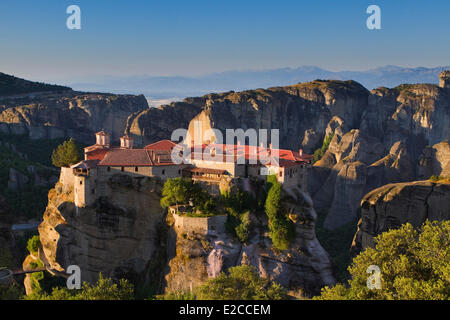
{"type": "Point", "coordinates": [392, 205]}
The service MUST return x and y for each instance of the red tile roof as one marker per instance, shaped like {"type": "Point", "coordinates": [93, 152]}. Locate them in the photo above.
{"type": "Point", "coordinates": [127, 157]}
{"type": "Point", "coordinates": [286, 157]}
{"type": "Point", "coordinates": [161, 145]}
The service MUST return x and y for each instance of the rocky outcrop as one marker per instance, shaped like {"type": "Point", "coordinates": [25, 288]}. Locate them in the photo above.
{"type": "Point", "coordinates": [301, 112]}
{"type": "Point", "coordinates": [392, 144]}
{"type": "Point", "coordinates": [379, 137]}
{"type": "Point", "coordinates": [121, 236]}
{"type": "Point", "coordinates": [155, 124]}
{"type": "Point", "coordinates": [392, 205]}
{"type": "Point", "coordinates": [51, 115]}
{"type": "Point", "coordinates": [304, 268]}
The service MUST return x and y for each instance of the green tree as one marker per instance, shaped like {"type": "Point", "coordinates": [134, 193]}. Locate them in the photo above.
{"type": "Point", "coordinates": [104, 289]}
{"type": "Point", "coordinates": [280, 227]}
{"type": "Point", "coordinates": [175, 191]}
{"type": "Point", "coordinates": [66, 154]}
{"type": "Point", "coordinates": [414, 264]}
{"type": "Point", "coordinates": [182, 190]}
{"type": "Point", "coordinates": [318, 154]}
{"type": "Point", "coordinates": [33, 244]}
{"type": "Point", "coordinates": [242, 283]}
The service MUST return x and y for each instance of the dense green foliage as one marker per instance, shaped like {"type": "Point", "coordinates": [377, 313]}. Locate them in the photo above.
{"type": "Point", "coordinates": [66, 154]}
{"type": "Point", "coordinates": [242, 283]}
{"type": "Point", "coordinates": [318, 154]}
{"type": "Point", "coordinates": [237, 205]}
{"type": "Point", "coordinates": [181, 191]}
{"type": "Point", "coordinates": [33, 244]}
{"type": "Point", "coordinates": [414, 264]}
{"type": "Point", "coordinates": [104, 289]}
{"type": "Point", "coordinates": [280, 227]}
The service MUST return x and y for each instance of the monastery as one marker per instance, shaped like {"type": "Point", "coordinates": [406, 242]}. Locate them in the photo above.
{"type": "Point", "coordinates": [102, 160]}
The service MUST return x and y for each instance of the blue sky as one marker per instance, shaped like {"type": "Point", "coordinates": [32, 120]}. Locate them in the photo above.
{"type": "Point", "coordinates": [197, 37]}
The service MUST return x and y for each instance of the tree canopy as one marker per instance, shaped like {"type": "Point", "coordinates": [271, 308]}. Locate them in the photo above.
{"type": "Point", "coordinates": [414, 264]}
{"type": "Point", "coordinates": [66, 154]}
{"type": "Point", "coordinates": [242, 283]}
{"type": "Point", "coordinates": [104, 289]}
{"type": "Point", "coordinates": [281, 228]}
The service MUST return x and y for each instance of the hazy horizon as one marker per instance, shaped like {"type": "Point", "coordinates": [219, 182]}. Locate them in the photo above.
{"type": "Point", "coordinates": [198, 38]}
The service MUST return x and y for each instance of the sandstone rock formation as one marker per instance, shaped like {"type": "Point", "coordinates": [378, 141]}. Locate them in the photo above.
{"type": "Point", "coordinates": [301, 112]}
{"type": "Point", "coordinates": [120, 236]}
{"type": "Point", "coordinates": [392, 205]}
{"type": "Point", "coordinates": [380, 136]}
{"type": "Point", "coordinates": [304, 268]}
{"type": "Point", "coordinates": [52, 115]}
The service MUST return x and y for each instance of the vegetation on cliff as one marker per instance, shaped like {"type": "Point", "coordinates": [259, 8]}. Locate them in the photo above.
{"type": "Point", "coordinates": [104, 289]}
{"type": "Point", "coordinates": [33, 245]}
{"type": "Point", "coordinates": [414, 264]}
{"type": "Point", "coordinates": [318, 154]}
{"type": "Point", "coordinates": [237, 205]}
{"type": "Point", "coordinates": [281, 228]}
{"type": "Point", "coordinates": [66, 154]}
{"type": "Point", "coordinates": [182, 191]}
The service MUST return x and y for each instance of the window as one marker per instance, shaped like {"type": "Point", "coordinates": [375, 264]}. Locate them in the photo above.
{"type": "Point", "coordinates": [108, 169]}
{"type": "Point", "coordinates": [81, 182]}
{"type": "Point", "coordinates": [164, 172]}
{"type": "Point", "coordinates": [122, 169]}
{"type": "Point", "coordinates": [179, 171]}
{"type": "Point", "coordinates": [136, 169]}
{"type": "Point", "coordinates": [281, 173]}
{"type": "Point", "coordinates": [93, 191]}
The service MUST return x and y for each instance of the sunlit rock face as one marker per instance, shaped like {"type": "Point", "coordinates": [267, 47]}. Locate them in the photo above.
{"type": "Point", "coordinates": [392, 205]}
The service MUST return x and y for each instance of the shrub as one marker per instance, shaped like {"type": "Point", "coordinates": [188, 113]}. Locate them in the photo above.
{"type": "Point", "coordinates": [413, 264]}
{"type": "Point", "coordinates": [104, 289]}
{"type": "Point", "coordinates": [242, 283]}
{"type": "Point", "coordinates": [280, 227]}
{"type": "Point", "coordinates": [318, 154]}
{"type": "Point", "coordinates": [242, 230]}
{"type": "Point", "coordinates": [33, 244]}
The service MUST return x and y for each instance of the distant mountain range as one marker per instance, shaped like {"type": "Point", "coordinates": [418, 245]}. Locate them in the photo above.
{"type": "Point", "coordinates": [160, 88]}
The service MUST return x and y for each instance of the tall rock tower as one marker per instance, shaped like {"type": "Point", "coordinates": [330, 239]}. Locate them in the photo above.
{"type": "Point", "coordinates": [444, 79]}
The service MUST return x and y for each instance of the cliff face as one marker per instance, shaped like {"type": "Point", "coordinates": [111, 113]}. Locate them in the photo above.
{"type": "Point", "coordinates": [155, 124]}
{"type": "Point", "coordinates": [120, 236]}
{"type": "Point", "coordinates": [301, 112]}
{"type": "Point", "coordinates": [392, 205]}
{"type": "Point", "coordinates": [304, 268]}
{"type": "Point", "coordinates": [129, 235]}
{"type": "Point", "coordinates": [380, 137]}
{"type": "Point", "coordinates": [62, 114]}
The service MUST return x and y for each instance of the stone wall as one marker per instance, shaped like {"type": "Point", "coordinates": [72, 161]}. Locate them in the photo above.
{"type": "Point", "coordinates": [67, 179]}
{"type": "Point", "coordinates": [200, 225]}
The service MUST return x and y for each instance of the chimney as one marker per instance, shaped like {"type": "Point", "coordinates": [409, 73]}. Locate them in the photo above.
{"type": "Point", "coordinates": [153, 156]}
